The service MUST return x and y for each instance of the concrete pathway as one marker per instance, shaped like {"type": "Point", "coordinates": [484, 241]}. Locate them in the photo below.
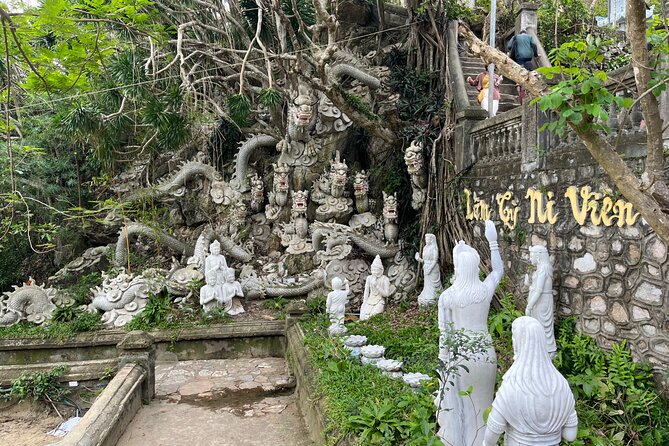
{"type": "Point", "coordinates": [223, 402]}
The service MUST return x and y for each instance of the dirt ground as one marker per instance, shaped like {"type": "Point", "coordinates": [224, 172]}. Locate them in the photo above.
{"type": "Point", "coordinates": [26, 424]}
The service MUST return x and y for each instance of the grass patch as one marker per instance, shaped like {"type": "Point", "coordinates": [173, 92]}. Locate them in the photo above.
{"type": "Point", "coordinates": [361, 403]}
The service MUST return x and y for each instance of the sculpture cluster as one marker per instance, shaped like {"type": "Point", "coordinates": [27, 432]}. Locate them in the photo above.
{"type": "Point", "coordinates": [534, 405]}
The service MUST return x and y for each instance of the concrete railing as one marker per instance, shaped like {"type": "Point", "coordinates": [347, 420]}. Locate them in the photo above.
{"type": "Point", "coordinates": [498, 138]}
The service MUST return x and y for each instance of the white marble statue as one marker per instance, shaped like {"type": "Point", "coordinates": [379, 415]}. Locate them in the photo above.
{"type": "Point", "coordinates": [215, 261]}
{"type": "Point", "coordinates": [230, 289]}
{"type": "Point", "coordinates": [377, 288]}
{"type": "Point", "coordinates": [540, 298]}
{"type": "Point", "coordinates": [210, 293]}
{"type": "Point", "coordinates": [465, 305]}
{"type": "Point", "coordinates": [431, 273]}
{"type": "Point", "coordinates": [336, 305]}
{"type": "Point", "coordinates": [534, 405]}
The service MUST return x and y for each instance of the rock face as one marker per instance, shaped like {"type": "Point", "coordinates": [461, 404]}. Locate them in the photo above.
{"type": "Point", "coordinates": [614, 279]}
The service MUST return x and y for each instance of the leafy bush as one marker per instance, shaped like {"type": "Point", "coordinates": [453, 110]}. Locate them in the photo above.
{"type": "Point", "coordinates": [155, 313]}
{"type": "Point", "coordinates": [616, 399]}
{"type": "Point", "coordinates": [39, 385]}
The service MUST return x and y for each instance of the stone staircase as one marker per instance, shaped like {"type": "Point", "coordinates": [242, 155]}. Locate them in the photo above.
{"type": "Point", "coordinates": [472, 66]}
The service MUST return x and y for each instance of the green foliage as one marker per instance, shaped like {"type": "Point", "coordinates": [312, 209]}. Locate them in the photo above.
{"type": "Point", "coordinates": [562, 20]}
{"type": "Point", "coordinates": [271, 97]}
{"type": "Point", "coordinates": [155, 313]}
{"type": "Point", "coordinates": [81, 290]}
{"type": "Point", "coordinates": [616, 400]}
{"type": "Point", "coordinates": [278, 304]}
{"type": "Point", "coordinates": [581, 97]}
{"type": "Point", "coordinates": [40, 385]}
{"type": "Point", "coordinates": [239, 108]}
{"type": "Point", "coordinates": [410, 336]}
{"type": "Point", "coordinates": [360, 401]}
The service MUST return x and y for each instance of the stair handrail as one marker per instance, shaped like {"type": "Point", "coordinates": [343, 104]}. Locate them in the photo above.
{"type": "Point", "coordinates": [460, 90]}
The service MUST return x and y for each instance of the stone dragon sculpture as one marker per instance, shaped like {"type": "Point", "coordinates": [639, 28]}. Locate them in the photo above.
{"type": "Point", "coordinates": [33, 303]}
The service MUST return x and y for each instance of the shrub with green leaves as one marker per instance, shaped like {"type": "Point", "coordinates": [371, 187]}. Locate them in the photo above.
{"type": "Point", "coordinates": [616, 399]}
{"type": "Point", "coordinates": [39, 385]}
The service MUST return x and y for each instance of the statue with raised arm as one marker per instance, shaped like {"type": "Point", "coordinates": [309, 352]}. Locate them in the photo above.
{"type": "Point", "coordinates": [534, 405]}
{"type": "Point", "coordinates": [335, 305]}
{"type": "Point", "coordinates": [431, 273]}
{"type": "Point", "coordinates": [540, 298]}
{"type": "Point", "coordinates": [465, 305]}
{"type": "Point", "coordinates": [377, 288]}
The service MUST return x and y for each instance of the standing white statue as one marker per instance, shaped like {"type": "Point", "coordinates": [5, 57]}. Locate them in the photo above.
{"type": "Point", "coordinates": [540, 298]}
{"type": "Point", "coordinates": [431, 273]}
{"type": "Point", "coordinates": [215, 261]}
{"type": "Point", "coordinates": [377, 288]}
{"type": "Point", "coordinates": [465, 305]}
{"type": "Point", "coordinates": [335, 305]}
{"type": "Point", "coordinates": [534, 404]}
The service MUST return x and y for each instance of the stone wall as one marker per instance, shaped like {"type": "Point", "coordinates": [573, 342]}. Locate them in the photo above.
{"type": "Point", "coordinates": [615, 280]}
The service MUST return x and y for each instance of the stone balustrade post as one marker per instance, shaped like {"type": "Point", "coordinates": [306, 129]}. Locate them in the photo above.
{"type": "Point", "coordinates": [138, 347]}
{"type": "Point", "coordinates": [294, 311]}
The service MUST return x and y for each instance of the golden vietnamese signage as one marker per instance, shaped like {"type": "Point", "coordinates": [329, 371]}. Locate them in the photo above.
{"type": "Point", "coordinates": [585, 205]}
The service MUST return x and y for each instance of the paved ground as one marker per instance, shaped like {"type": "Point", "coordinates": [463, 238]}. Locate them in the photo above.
{"type": "Point", "coordinates": [226, 402]}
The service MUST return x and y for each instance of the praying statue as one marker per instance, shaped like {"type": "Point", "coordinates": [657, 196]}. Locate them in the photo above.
{"type": "Point", "coordinates": [335, 305]}
{"type": "Point", "coordinates": [534, 405]}
{"type": "Point", "coordinates": [540, 298]}
{"type": "Point", "coordinates": [431, 273]}
{"type": "Point", "coordinates": [210, 293]}
{"type": "Point", "coordinates": [377, 288]}
{"type": "Point", "coordinates": [464, 306]}
{"type": "Point", "coordinates": [229, 289]}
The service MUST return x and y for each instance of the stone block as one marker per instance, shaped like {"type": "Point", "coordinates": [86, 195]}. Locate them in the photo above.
{"type": "Point", "coordinates": [631, 232]}
{"type": "Point", "coordinates": [571, 282]}
{"type": "Point", "coordinates": [605, 270]}
{"type": "Point", "coordinates": [619, 313]}
{"type": "Point", "coordinates": [591, 231]}
{"type": "Point", "coordinates": [616, 246]}
{"type": "Point", "coordinates": [615, 288]}
{"type": "Point", "coordinates": [649, 330]}
{"type": "Point", "coordinates": [660, 347]}
{"type": "Point", "coordinates": [640, 314]}
{"type": "Point", "coordinates": [649, 293]}
{"type": "Point", "coordinates": [633, 254]}
{"type": "Point", "coordinates": [609, 327]}
{"type": "Point", "coordinates": [576, 244]}
{"type": "Point", "coordinates": [620, 268]}
{"type": "Point", "coordinates": [591, 325]}
{"type": "Point", "coordinates": [598, 305]}
{"type": "Point", "coordinates": [656, 249]}
{"type": "Point", "coordinates": [585, 264]}
{"type": "Point", "coordinates": [593, 284]}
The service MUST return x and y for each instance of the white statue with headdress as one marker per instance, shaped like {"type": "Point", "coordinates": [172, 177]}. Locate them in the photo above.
{"type": "Point", "coordinates": [534, 404]}
{"type": "Point", "coordinates": [377, 288]}
{"type": "Point", "coordinates": [465, 305]}
{"type": "Point", "coordinates": [215, 261]}
{"type": "Point", "coordinates": [431, 273]}
{"type": "Point", "coordinates": [540, 298]}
